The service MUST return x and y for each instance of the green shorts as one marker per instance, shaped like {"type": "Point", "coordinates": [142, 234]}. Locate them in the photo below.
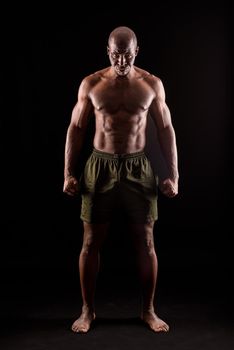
{"type": "Point", "coordinates": [113, 184]}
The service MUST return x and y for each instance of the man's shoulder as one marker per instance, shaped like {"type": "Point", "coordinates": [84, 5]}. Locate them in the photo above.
{"type": "Point", "coordinates": [149, 77]}
{"type": "Point", "coordinates": [96, 76]}
{"type": "Point", "coordinates": [91, 80]}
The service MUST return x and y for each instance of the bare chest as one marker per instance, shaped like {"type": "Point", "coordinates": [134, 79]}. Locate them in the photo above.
{"type": "Point", "coordinates": [132, 97]}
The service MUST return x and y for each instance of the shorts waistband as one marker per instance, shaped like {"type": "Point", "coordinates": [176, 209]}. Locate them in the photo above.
{"type": "Point", "coordinates": [106, 155]}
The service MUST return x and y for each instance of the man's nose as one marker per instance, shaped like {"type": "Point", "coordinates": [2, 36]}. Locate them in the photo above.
{"type": "Point", "coordinates": [122, 59]}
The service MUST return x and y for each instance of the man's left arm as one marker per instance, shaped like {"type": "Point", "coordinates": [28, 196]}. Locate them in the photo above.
{"type": "Point", "coordinates": [161, 116]}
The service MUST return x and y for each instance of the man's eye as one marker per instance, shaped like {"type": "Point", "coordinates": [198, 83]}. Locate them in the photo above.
{"type": "Point", "coordinates": [116, 56]}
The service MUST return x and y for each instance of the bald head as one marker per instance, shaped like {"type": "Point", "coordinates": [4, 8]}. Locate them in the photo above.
{"type": "Point", "coordinates": [122, 36]}
{"type": "Point", "coordinates": [122, 49]}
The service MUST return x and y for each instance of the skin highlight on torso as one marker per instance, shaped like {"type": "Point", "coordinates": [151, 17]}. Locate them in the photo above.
{"type": "Point", "coordinates": [121, 105]}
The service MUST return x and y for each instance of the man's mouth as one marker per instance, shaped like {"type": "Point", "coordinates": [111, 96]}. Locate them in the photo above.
{"type": "Point", "coordinates": [123, 69]}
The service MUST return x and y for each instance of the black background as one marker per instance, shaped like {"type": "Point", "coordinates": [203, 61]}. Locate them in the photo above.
{"type": "Point", "coordinates": [46, 53]}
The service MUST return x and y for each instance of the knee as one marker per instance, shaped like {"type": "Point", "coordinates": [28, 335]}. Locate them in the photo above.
{"type": "Point", "coordinates": [145, 246]}
{"type": "Point", "coordinates": [149, 246]}
{"type": "Point", "coordinates": [144, 240]}
{"type": "Point", "coordinates": [89, 246]}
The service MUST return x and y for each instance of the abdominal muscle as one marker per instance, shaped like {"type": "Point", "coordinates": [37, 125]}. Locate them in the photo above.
{"type": "Point", "coordinates": [120, 133]}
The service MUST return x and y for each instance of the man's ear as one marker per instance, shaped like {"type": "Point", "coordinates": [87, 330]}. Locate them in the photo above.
{"type": "Point", "coordinates": [136, 51]}
{"type": "Point", "coordinates": [108, 50]}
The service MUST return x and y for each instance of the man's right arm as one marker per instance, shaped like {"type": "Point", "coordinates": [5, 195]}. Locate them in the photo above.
{"type": "Point", "coordinates": [75, 137]}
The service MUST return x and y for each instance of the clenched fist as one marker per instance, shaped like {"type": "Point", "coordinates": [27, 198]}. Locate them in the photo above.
{"type": "Point", "coordinates": [71, 186]}
{"type": "Point", "coordinates": [169, 187]}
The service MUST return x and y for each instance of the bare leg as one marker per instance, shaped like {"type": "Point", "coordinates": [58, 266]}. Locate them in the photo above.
{"type": "Point", "coordinates": [94, 235]}
{"type": "Point", "coordinates": [142, 235]}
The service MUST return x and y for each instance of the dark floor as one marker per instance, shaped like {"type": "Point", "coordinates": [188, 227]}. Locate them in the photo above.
{"type": "Point", "coordinates": [37, 313]}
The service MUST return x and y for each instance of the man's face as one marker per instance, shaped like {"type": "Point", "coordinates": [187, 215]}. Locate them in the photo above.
{"type": "Point", "coordinates": [122, 56]}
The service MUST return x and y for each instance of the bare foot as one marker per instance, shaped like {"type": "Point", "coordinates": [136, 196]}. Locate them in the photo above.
{"type": "Point", "coordinates": [154, 322]}
{"type": "Point", "coordinates": [83, 323]}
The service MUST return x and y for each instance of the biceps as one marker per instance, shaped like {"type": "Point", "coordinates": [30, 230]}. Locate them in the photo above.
{"type": "Point", "coordinates": [161, 114]}
{"type": "Point", "coordinates": [166, 115]}
{"type": "Point", "coordinates": [81, 113]}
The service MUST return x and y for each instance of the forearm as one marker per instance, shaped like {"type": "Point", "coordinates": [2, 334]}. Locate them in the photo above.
{"type": "Point", "coordinates": [167, 140]}
{"type": "Point", "coordinates": [74, 142]}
